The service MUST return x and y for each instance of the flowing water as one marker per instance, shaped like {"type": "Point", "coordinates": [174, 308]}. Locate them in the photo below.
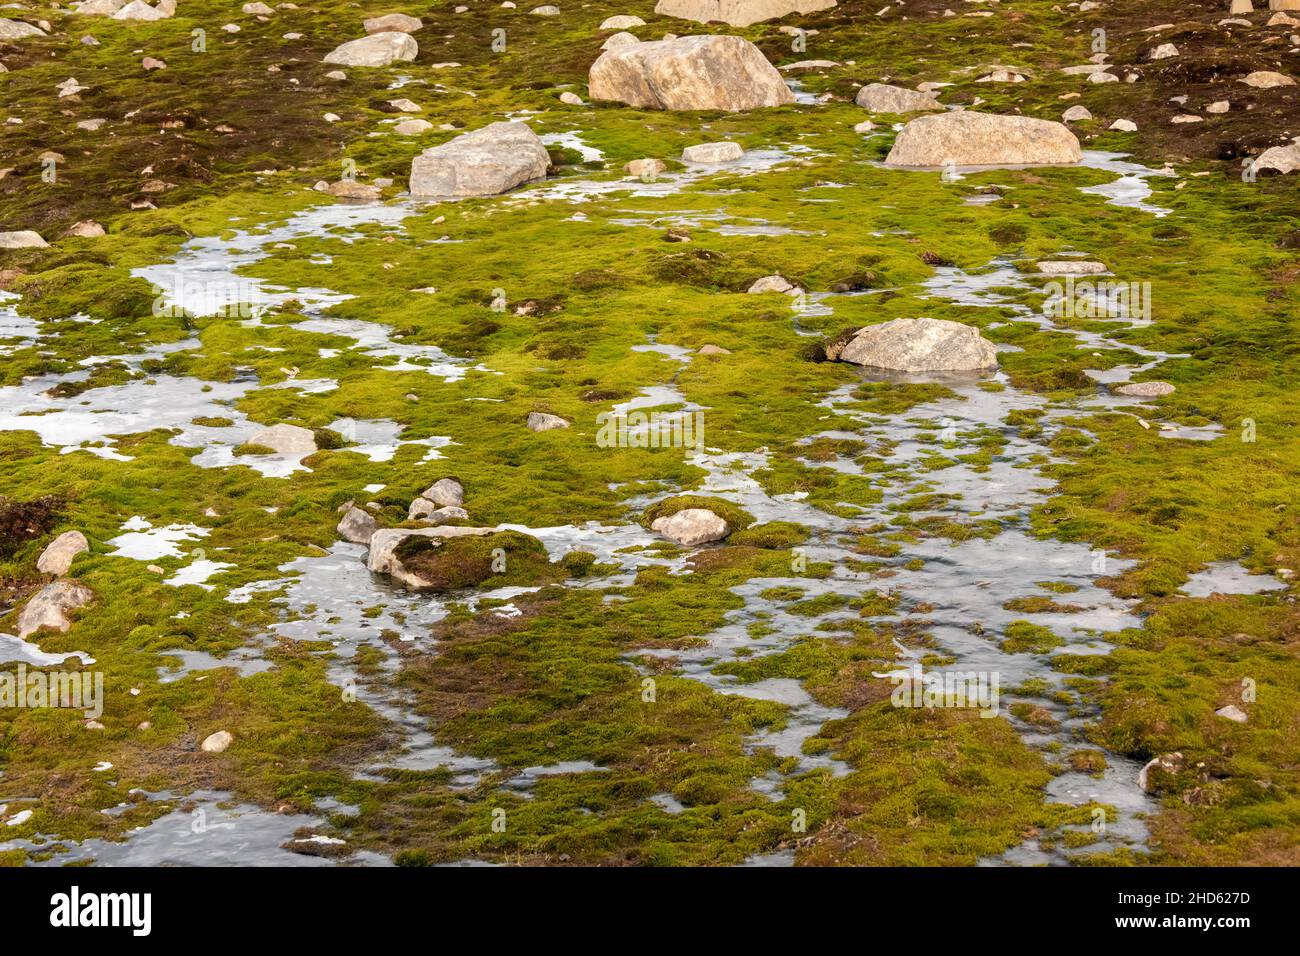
{"type": "Point", "coordinates": [954, 590]}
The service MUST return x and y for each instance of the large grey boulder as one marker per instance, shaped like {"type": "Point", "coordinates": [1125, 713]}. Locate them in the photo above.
{"type": "Point", "coordinates": [545, 422]}
{"type": "Point", "coordinates": [620, 39]}
{"type": "Point", "coordinates": [621, 22]}
{"type": "Point", "coordinates": [983, 139]}
{"type": "Point", "coordinates": [486, 162]}
{"type": "Point", "coordinates": [737, 13]}
{"type": "Point", "coordinates": [58, 555]}
{"type": "Point", "coordinates": [689, 73]}
{"type": "Point", "coordinates": [692, 526]}
{"type": "Point", "coordinates": [883, 98]}
{"type": "Point", "coordinates": [422, 509]}
{"type": "Point", "coordinates": [1267, 79]}
{"type": "Point", "coordinates": [23, 239]}
{"type": "Point", "coordinates": [48, 610]}
{"type": "Point", "coordinates": [918, 345]}
{"type": "Point", "coordinates": [393, 23]}
{"type": "Point", "coordinates": [723, 152]}
{"type": "Point", "coordinates": [18, 30]}
{"type": "Point", "coordinates": [1283, 159]}
{"type": "Point", "coordinates": [378, 49]}
{"type": "Point", "coordinates": [139, 10]}
{"type": "Point", "coordinates": [445, 493]}
{"type": "Point", "coordinates": [101, 8]}
{"type": "Point", "coordinates": [357, 526]}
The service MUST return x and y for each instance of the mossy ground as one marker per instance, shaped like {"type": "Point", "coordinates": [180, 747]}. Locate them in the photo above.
{"type": "Point", "coordinates": [564, 679]}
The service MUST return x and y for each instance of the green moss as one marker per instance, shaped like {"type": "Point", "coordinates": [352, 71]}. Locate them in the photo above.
{"type": "Point", "coordinates": [736, 518]}
{"type": "Point", "coordinates": [499, 559]}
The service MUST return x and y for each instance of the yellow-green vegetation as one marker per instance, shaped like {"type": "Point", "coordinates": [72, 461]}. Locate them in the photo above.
{"type": "Point", "coordinates": [540, 309]}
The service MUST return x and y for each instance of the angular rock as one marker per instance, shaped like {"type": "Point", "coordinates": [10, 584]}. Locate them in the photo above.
{"type": "Point", "coordinates": [543, 422]}
{"type": "Point", "coordinates": [689, 73]}
{"type": "Point", "coordinates": [620, 39]}
{"type": "Point", "coordinates": [412, 127]}
{"type": "Point", "coordinates": [622, 22]}
{"type": "Point", "coordinates": [58, 555]}
{"type": "Point", "coordinates": [723, 152]}
{"type": "Point", "coordinates": [1124, 126]}
{"type": "Point", "coordinates": [257, 9]}
{"type": "Point", "coordinates": [770, 284]}
{"type": "Point", "coordinates": [692, 526]}
{"type": "Point", "coordinates": [139, 10]}
{"type": "Point", "coordinates": [883, 98]}
{"type": "Point", "coordinates": [18, 30]}
{"type": "Point", "coordinates": [711, 349]}
{"type": "Point", "coordinates": [1071, 267]}
{"type": "Point", "coordinates": [285, 440]}
{"type": "Point", "coordinates": [103, 8]}
{"type": "Point", "coordinates": [1283, 159]}
{"type": "Point", "coordinates": [23, 239]}
{"type": "Point", "coordinates": [983, 139]}
{"type": "Point", "coordinates": [1145, 389]}
{"type": "Point", "coordinates": [738, 13]}
{"type": "Point", "coordinates": [378, 49]}
{"type": "Point", "coordinates": [445, 493]}
{"type": "Point", "coordinates": [1001, 76]}
{"type": "Point", "coordinates": [1232, 712]}
{"type": "Point", "coordinates": [393, 23]}
{"type": "Point", "coordinates": [807, 65]}
{"type": "Point", "coordinates": [486, 162]}
{"type": "Point", "coordinates": [86, 229]}
{"type": "Point", "coordinates": [645, 167]}
{"type": "Point", "coordinates": [357, 526]}
{"type": "Point", "coordinates": [1076, 113]}
{"type": "Point", "coordinates": [48, 610]}
{"type": "Point", "coordinates": [1267, 80]}
{"type": "Point", "coordinates": [422, 510]}
{"type": "Point", "coordinates": [351, 189]}
{"type": "Point", "coordinates": [918, 345]}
